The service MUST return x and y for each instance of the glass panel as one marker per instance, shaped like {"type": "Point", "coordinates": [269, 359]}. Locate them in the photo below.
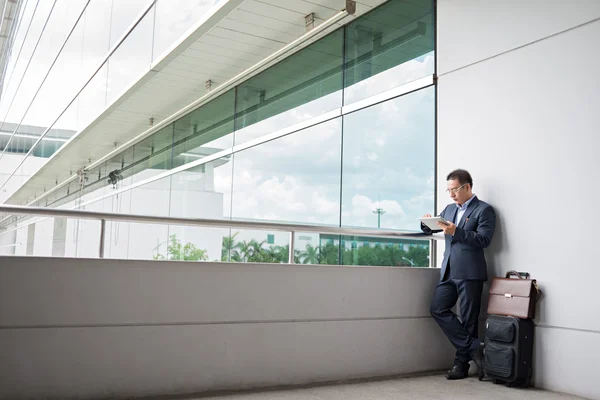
{"type": "Point", "coordinates": [24, 20]}
{"type": "Point", "coordinates": [293, 178]}
{"type": "Point", "coordinates": [65, 78]}
{"type": "Point", "coordinates": [42, 242]}
{"type": "Point", "coordinates": [174, 18]}
{"type": "Point", "coordinates": [298, 88]}
{"type": "Point", "coordinates": [124, 13]}
{"type": "Point", "coordinates": [131, 59]}
{"type": "Point", "coordinates": [83, 236]}
{"type": "Point", "coordinates": [388, 172]}
{"type": "Point", "coordinates": [204, 131]}
{"type": "Point", "coordinates": [8, 163]}
{"type": "Point", "coordinates": [60, 83]}
{"type": "Point", "coordinates": [254, 246]}
{"type": "Point", "coordinates": [385, 252]}
{"type": "Point", "coordinates": [390, 46]}
{"type": "Point", "coordinates": [59, 134]}
{"type": "Point", "coordinates": [151, 199]}
{"type": "Point", "coordinates": [116, 240]}
{"type": "Point", "coordinates": [96, 26]}
{"type": "Point", "coordinates": [92, 100]}
{"type": "Point", "coordinates": [203, 191]}
{"type": "Point", "coordinates": [189, 243]}
{"type": "Point", "coordinates": [153, 155]}
{"type": "Point", "coordinates": [21, 241]}
{"type": "Point", "coordinates": [312, 248]}
{"type": "Point", "coordinates": [25, 80]}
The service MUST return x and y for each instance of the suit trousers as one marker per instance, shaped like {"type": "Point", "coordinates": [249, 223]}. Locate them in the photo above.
{"type": "Point", "coordinates": [462, 333]}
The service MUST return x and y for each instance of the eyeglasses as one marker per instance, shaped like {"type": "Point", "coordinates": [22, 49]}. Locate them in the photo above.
{"type": "Point", "coordinates": [455, 190]}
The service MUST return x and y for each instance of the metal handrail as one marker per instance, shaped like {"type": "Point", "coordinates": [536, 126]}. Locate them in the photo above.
{"type": "Point", "coordinates": [211, 223]}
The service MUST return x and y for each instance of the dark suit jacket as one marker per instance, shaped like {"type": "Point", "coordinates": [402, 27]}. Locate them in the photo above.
{"type": "Point", "coordinates": [464, 250]}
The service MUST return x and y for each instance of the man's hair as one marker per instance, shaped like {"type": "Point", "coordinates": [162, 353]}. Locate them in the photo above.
{"type": "Point", "coordinates": [461, 176]}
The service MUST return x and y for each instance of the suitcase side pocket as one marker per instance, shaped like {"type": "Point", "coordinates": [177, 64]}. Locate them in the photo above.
{"type": "Point", "coordinates": [498, 360]}
{"type": "Point", "coordinates": [500, 331]}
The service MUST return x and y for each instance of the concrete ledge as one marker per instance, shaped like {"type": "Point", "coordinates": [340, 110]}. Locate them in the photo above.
{"type": "Point", "coordinates": [78, 328]}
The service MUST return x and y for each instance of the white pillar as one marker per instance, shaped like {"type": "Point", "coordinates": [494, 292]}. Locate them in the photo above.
{"type": "Point", "coordinates": [8, 241]}
{"type": "Point", "coordinates": [30, 239]}
{"type": "Point", "coordinates": [59, 237]}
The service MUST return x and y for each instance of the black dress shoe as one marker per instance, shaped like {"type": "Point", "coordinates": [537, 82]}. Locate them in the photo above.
{"type": "Point", "coordinates": [478, 360]}
{"type": "Point", "coordinates": [458, 372]}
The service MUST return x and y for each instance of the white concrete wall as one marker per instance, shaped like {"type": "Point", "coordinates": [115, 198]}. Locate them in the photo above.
{"type": "Point", "coordinates": [518, 100]}
{"type": "Point", "coordinates": [81, 328]}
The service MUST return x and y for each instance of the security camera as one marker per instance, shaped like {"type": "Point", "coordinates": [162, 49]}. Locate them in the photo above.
{"type": "Point", "coordinates": [114, 177]}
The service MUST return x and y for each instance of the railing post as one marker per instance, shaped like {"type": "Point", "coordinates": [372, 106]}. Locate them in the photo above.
{"type": "Point", "coordinates": [292, 248]}
{"type": "Point", "coordinates": [102, 230]}
{"type": "Point", "coordinates": [432, 253]}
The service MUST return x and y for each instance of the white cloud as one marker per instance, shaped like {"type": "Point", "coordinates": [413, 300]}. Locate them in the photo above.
{"type": "Point", "coordinates": [363, 206]}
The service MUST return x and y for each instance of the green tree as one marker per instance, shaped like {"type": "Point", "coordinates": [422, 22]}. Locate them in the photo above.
{"type": "Point", "coordinates": [229, 246]}
{"type": "Point", "coordinates": [419, 255]}
{"type": "Point", "coordinates": [187, 252]}
{"type": "Point", "coordinates": [311, 255]}
{"type": "Point", "coordinates": [329, 254]}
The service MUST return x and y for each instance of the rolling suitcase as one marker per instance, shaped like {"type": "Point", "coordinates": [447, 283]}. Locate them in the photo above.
{"type": "Point", "coordinates": [508, 351]}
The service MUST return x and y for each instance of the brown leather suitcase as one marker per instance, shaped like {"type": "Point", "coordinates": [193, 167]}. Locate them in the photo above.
{"type": "Point", "coordinates": [513, 297]}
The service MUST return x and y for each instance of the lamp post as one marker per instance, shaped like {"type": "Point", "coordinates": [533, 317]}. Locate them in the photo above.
{"type": "Point", "coordinates": [412, 264]}
{"type": "Point", "coordinates": [379, 212]}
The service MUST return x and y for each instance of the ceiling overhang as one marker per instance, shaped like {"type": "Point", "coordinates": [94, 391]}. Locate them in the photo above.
{"type": "Point", "coordinates": [232, 37]}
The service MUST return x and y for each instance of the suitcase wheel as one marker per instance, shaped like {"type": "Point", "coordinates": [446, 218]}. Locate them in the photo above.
{"type": "Point", "coordinates": [497, 381]}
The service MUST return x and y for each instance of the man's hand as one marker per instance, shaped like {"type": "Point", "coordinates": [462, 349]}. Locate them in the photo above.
{"type": "Point", "coordinates": [449, 229]}
{"type": "Point", "coordinates": [427, 216]}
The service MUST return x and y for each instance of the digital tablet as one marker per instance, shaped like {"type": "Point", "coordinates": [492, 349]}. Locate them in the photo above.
{"type": "Point", "coordinates": [431, 222]}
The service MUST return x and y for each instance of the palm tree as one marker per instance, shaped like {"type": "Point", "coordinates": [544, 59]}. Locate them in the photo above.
{"type": "Point", "coordinates": [310, 255]}
{"type": "Point", "coordinates": [245, 250]}
{"type": "Point", "coordinates": [329, 254]}
{"type": "Point", "coordinates": [229, 245]}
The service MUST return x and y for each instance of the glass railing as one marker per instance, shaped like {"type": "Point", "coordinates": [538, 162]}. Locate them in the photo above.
{"type": "Point", "coordinates": [93, 234]}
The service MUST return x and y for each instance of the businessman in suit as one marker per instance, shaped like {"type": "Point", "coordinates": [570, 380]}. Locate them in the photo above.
{"type": "Point", "coordinates": [464, 270]}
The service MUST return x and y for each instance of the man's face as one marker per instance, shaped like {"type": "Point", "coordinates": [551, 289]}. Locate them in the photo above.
{"type": "Point", "coordinates": [459, 193]}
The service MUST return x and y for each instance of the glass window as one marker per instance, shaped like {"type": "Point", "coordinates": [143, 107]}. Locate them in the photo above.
{"type": "Point", "coordinates": [131, 59]}
{"type": "Point", "coordinates": [390, 46]}
{"type": "Point", "coordinates": [153, 155]}
{"type": "Point", "coordinates": [312, 248]}
{"type": "Point", "coordinates": [295, 178]}
{"type": "Point", "coordinates": [388, 171]}
{"type": "Point", "coordinates": [203, 191]}
{"type": "Point", "coordinates": [204, 131]}
{"type": "Point", "coordinates": [62, 82]}
{"type": "Point", "coordinates": [302, 86]}
{"type": "Point", "coordinates": [254, 246]}
{"type": "Point", "coordinates": [145, 240]}
{"type": "Point", "coordinates": [24, 19]}
{"type": "Point", "coordinates": [123, 14]}
{"type": "Point", "coordinates": [26, 78]}
{"type": "Point", "coordinates": [96, 37]}
{"type": "Point", "coordinates": [92, 100]}
{"type": "Point", "coordinates": [384, 252]}
{"type": "Point", "coordinates": [200, 192]}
